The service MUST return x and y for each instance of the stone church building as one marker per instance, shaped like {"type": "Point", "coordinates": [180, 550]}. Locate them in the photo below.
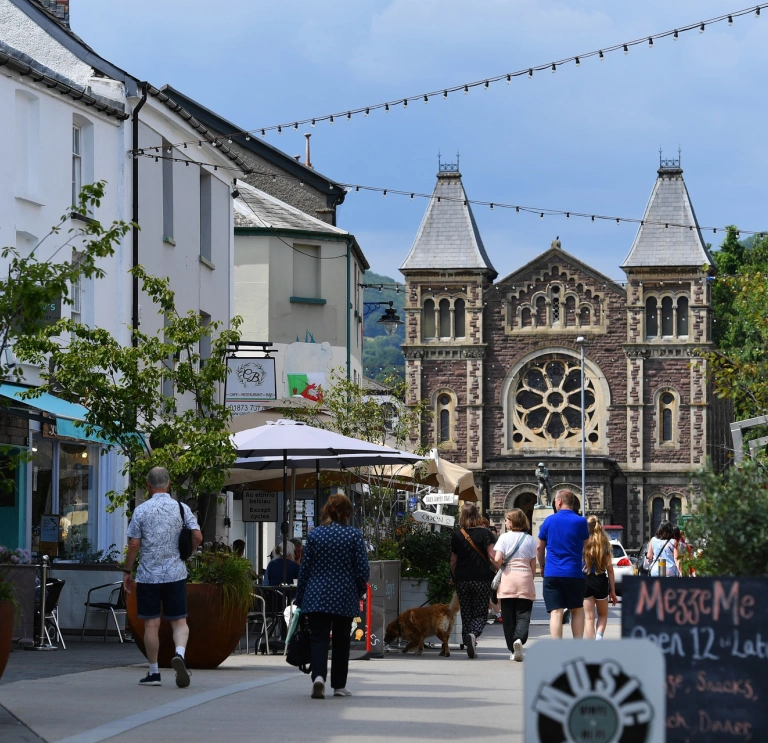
{"type": "Point", "coordinates": [500, 362]}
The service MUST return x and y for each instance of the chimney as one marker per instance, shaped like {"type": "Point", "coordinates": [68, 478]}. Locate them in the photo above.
{"type": "Point", "coordinates": [57, 8]}
{"type": "Point", "coordinates": [307, 159]}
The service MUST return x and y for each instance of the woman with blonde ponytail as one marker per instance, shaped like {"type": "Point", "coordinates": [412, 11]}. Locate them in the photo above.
{"type": "Point", "coordinates": [598, 569]}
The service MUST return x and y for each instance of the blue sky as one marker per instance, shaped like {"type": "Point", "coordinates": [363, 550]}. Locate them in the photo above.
{"type": "Point", "coordinates": [584, 139]}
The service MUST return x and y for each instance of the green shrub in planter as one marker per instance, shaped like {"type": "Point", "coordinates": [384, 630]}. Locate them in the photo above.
{"type": "Point", "coordinates": [426, 555]}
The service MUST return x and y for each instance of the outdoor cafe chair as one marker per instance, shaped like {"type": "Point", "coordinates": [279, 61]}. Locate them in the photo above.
{"type": "Point", "coordinates": [255, 616]}
{"type": "Point", "coordinates": [53, 590]}
{"type": "Point", "coordinates": [275, 602]}
{"type": "Point", "coordinates": [114, 605]}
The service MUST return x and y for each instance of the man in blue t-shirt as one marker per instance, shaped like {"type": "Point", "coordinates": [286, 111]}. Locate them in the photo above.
{"type": "Point", "coordinates": [561, 547]}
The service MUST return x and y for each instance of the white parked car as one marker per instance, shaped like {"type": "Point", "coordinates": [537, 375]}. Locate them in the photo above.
{"type": "Point", "coordinates": [622, 565]}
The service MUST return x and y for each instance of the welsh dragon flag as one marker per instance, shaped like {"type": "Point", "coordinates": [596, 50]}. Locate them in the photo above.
{"type": "Point", "coordinates": [306, 385]}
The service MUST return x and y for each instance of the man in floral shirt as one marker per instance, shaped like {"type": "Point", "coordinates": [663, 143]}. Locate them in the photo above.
{"type": "Point", "coordinates": [161, 578]}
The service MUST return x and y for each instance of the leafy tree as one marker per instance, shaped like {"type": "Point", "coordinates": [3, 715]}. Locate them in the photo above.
{"type": "Point", "coordinates": [32, 285]}
{"type": "Point", "coordinates": [122, 387]}
{"type": "Point", "coordinates": [729, 528]}
{"type": "Point", "coordinates": [739, 364]}
{"type": "Point", "coordinates": [355, 412]}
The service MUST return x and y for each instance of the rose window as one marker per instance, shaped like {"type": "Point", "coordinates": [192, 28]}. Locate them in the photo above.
{"type": "Point", "coordinates": [547, 404]}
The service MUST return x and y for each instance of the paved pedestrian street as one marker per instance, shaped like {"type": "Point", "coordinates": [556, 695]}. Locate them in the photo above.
{"type": "Point", "coordinates": [89, 693]}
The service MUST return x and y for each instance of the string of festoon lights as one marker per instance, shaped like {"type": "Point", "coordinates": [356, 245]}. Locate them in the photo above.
{"type": "Point", "coordinates": [541, 212]}
{"type": "Point", "coordinates": [485, 83]}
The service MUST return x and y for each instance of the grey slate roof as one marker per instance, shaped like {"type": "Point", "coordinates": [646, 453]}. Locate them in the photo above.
{"type": "Point", "coordinates": [657, 245]}
{"type": "Point", "coordinates": [255, 208]}
{"type": "Point", "coordinates": [448, 236]}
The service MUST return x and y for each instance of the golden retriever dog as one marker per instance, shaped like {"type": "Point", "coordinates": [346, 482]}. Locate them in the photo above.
{"type": "Point", "coordinates": [416, 625]}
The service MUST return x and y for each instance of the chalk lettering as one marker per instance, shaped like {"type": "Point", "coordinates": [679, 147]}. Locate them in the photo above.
{"type": "Point", "coordinates": [733, 727]}
{"type": "Point", "coordinates": [674, 683]}
{"type": "Point", "coordinates": [756, 647]}
{"type": "Point", "coordinates": [741, 687]}
{"type": "Point", "coordinates": [650, 599]}
{"type": "Point", "coordinates": [708, 635]}
{"type": "Point", "coordinates": [729, 602]}
{"type": "Point", "coordinates": [669, 644]}
{"type": "Point", "coordinates": [676, 721]}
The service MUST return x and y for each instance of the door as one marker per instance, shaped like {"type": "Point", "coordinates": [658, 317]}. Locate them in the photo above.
{"type": "Point", "coordinates": [13, 471]}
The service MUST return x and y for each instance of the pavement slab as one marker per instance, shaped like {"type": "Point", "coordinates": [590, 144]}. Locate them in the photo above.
{"type": "Point", "coordinates": [398, 697]}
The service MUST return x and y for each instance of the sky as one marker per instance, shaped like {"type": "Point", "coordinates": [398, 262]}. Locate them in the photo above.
{"type": "Point", "coordinates": [584, 139]}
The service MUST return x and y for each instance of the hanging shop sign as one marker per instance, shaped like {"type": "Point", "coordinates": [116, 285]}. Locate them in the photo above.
{"type": "Point", "coordinates": [250, 381]}
{"type": "Point", "coordinates": [427, 517]}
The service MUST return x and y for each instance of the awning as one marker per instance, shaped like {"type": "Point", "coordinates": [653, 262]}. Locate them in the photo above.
{"type": "Point", "coordinates": [65, 413]}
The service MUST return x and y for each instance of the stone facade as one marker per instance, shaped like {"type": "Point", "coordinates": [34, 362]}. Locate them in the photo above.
{"type": "Point", "coordinates": [501, 365]}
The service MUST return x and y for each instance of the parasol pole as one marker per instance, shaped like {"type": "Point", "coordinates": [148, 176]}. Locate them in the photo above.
{"type": "Point", "coordinates": [284, 525]}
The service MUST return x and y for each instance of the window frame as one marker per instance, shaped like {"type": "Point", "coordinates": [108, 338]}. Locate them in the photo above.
{"type": "Point", "coordinates": [77, 161]}
{"type": "Point", "coordinates": [440, 408]}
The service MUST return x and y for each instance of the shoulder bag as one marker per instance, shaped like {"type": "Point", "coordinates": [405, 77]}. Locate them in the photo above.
{"type": "Point", "coordinates": [656, 559]}
{"type": "Point", "coordinates": [476, 548]}
{"type": "Point", "coordinates": [496, 582]}
{"type": "Point", "coordinates": [298, 649]}
{"type": "Point", "coordinates": [185, 537]}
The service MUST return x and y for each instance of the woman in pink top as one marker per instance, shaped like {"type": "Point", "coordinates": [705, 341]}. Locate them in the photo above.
{"type": "Point", "coordinates": [516, 552]}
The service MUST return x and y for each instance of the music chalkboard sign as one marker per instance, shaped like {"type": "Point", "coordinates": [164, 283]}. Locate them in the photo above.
{"type": "Point", "coordinates": [714, 636]}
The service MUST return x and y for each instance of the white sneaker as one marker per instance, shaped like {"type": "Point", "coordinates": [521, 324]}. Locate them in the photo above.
{"type": "Point", "coordinates": [511, 656]}
{"type": "Point", "coordinates": [518, 654]}
{"type": "Point", "coordinates": [342, 693]}
{"type": "Point", "coordinates": [318, 689]}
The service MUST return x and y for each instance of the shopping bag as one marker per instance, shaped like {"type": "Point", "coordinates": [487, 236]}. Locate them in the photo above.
{"type": "Point", "coordinates": [298, 648]}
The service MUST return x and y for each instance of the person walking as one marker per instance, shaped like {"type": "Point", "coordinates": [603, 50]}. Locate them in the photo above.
{"type": "Point", "coordinates": [515, 554]}
{"type": "Point", "coordinates": [471, 560]}
{"type": "Point", "coordinates": [560, 550]}
{"type": "Point", "coordinates": [161, 578]}
{"type": "Point", "coordinates": [600, 586]}
{"type": "Point", "coordinates": [664, 547]}
{"type": "Point", "coordinates": [333, 576]}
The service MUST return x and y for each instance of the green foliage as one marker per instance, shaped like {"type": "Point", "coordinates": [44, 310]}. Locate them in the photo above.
{"type": "Point", "coordinates": [739, 364]}
{"type": "Point", "coordinates": [83, 550]}
{"type": "Point", "coordinates": [32, 284]}
{"type": "Point", "coordinates": [729, 529]}
{"type": "Point", "coordinates": [122, 387]}
{"type": "Point", "coordinates": [426, 555]}
{"type": "Point", "coordinates": [382, 356]}
{"type": "Point", "coordinates": [222, 568]}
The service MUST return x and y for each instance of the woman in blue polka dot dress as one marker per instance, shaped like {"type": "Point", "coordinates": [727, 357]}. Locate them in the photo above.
{"type": "Point", "coordinates": [333, 576]}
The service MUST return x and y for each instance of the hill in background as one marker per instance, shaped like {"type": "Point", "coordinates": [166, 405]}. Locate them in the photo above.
{"type": "Point", "coordinates": [381, 352]}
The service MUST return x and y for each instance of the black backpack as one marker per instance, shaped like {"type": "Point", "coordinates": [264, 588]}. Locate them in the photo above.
{"type": "Point", "coordinates": [185, 538]}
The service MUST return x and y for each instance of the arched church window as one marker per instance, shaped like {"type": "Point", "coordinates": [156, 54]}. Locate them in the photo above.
{"type": "Point", "coordinates": [525, 317]}
{"type": "Point", "coordinates": [682, 317]}
{"type": "Point", "coordinates": [675, 509]}
{"type": "Point", "coordinates": [570, 311]}
{"type": "Point", "coordinates": [666, 418]}
{"type": "Point", "coordinates": [445, 318]}
{"type": "Point", "coordinates": [555, 304]}
{"type": "Point", "coordinates": [541, 312]}
{"type": "Point", "coordinates": [651, 318]}
{"type": "Point", "coordinates": [428, 321]}
{"type": "Point", "coordinates": [459, 319]}
{"type": "Point", "coordinates": [584, 316]}
{"type": "Point", "coordinates": [444, 410]}
{"type": "Point", "coordinates": [657, 513]}
{"type": "Point", "coordinates": [667, 327]}
{"type": "Point", "coordinates": [547, 404]}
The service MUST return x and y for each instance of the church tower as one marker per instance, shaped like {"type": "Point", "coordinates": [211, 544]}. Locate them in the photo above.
{"type": "Point", "coordinates": [447, 272]}
{"type": "Point", "coordinates": [668, 402]}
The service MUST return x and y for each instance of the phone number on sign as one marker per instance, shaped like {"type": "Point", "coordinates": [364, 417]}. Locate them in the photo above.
{"type": "Point", "coordinates": [240, 408]}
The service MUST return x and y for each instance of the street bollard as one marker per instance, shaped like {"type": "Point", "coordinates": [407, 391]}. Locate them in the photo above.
{"type": "Point", "coordinates": [662, 568]}
{"type": "Point", "coordinates": [41, 641]}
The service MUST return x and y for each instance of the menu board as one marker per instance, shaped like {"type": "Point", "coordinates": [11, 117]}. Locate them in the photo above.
{"type": "Point", "coordinates": [714, 636]}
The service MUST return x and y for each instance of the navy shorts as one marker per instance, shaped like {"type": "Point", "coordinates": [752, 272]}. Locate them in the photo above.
{"type": "Point", "coordinates": [563, 593]}
{"type": "Point", "coordinates": [598, 587]}
{"type": "Point", "coordinates": [172, 597]}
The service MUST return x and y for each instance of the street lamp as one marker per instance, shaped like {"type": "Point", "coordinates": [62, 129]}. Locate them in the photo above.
{"type": "Point", "coordinates": [390, 319]}
{"type": "Point", "coordinates": [580, 341]}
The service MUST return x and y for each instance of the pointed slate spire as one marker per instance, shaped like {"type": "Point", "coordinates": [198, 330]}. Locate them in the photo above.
{"type": "Point", "coordinates": [448, 237]}
{"type": "Point", "coordinates": [658, 245]}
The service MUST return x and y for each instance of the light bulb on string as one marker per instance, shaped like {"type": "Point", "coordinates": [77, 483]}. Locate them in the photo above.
{"type": "Point", "coordinates": [757, 12]}
{"type": "Point", "coordinates": [185, 145]}
{"type": "Point", "coordinates": [730, 21]}
{"type": "Point", "coordinates": [295, 126]}
{"type": "Point", "coordinates": [247, 137]}
{"type": "Point", "coordinates": [567, 215]}
{"type": "Point", "coordinates": [554, 68]}
{"type": "Point", "coordinates": [386, 108]}
{"type": "Point", "coordinates": [199, 145]}
{"type": "Point", "coordinates": [279, 129]}
{"type": "Point", "coordinates": [313, 123]}
{"type": "Point", "coordinates": [331, 120]}
{"type": "Point", "coordinates": [169, 149]}
{"type": "Point", "coordinates": [385, 193]}
{"type": "Point", "coordinates": [486, 85]}
{"type": "Point", "coordinates": [602, 56]}
{"type": "Point", "coordinates": [491, 206]}
{"type": "Point", "coordinates": [530, 73]}
{"type": "Point", "coordinates": [445, 95]}
{"type": "Point", "coordinates": [411, 197]}
{"type": "Point", "coordinates": [263, 133]}
{"type": "Point", "coordinates": [578, 62]}
{"type": "Point", "coordinates": [357, 189]}
{"type": "Point", "coordinates": [509, 79]}
{"type": "Point", "coordinates": [675, 37]}
{"type": "Point", "coordinates": [593, 217]}
{"type": "Point", "coordinates": [349, 116]}
{"type": "Point", "coordinates": [701, 29]}
{"type": "Point", "coordinates": [405, 103]}
{"type": "Point", "coordinates": [229, 139]}
{"type": "Point", "coordinates": [517, 210]}
{"type": "Point", "coordinates": [626, 49]}
{"type": "Point", "coordinates": [541, 216]}
{"type": "Point", "coordinates": [426, 99]}
{"type": "Point", "coordinates": [466, 90]}
{"type": "Point", "coordinates": [650, 42]}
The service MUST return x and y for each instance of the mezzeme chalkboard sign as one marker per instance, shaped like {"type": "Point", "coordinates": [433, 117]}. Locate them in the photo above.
{"type": "Point", "coordinates": [714, 636]}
